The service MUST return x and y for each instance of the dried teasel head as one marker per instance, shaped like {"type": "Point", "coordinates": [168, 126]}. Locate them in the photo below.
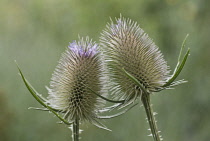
{"type": "Point", "coordinates": [128, 48]}
{"type": "Point", "coordinates": [78, 70]}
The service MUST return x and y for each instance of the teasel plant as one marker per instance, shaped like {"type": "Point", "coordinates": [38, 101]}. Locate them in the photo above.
{"type": "Point", "coordinates": [136, 66]}
{"type": "Point", "coordinates": [76, 92]}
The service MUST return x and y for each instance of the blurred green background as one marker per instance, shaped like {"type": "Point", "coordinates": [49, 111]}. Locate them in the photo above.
{"type": "Point", "coordinates": [36, 32]}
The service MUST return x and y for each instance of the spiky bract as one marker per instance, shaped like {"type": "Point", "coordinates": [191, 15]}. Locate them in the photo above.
{"type": "Point", "coordinates": [78, 69]}
{"type": "Point", "coordinates": [127, 46]}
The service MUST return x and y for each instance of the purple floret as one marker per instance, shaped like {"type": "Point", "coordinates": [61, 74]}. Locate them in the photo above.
{"type": "Point", "coordinates": [88, 51]}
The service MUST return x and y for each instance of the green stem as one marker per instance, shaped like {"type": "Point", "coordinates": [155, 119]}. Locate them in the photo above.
{"type": "Point", "coordinates": [151, 119]}
{"type": "Point", "coordinates": [76, 130]}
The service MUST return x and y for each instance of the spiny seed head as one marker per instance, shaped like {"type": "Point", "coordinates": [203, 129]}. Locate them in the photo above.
{"type": "Point", "coordinates": [79, 68]}
{"type": "Point", "coordinates": [127, 46]}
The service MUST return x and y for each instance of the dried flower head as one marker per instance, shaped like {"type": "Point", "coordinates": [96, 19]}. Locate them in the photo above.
{"type": "Point", "coordinates": [78, 68]}
{"type": "Point", "coordinates": [136, 67]}
{"type": "Point", "coordinates": [126, 46]}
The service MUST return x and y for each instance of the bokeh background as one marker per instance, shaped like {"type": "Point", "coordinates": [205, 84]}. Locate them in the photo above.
{"type": "Point", "coordinates": [36, 32]}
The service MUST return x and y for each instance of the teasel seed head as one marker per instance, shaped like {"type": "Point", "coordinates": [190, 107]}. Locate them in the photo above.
{"type": "Point", "coordinates": [127, 46]}
{"type": "Point", "coordinates": [79, 68]}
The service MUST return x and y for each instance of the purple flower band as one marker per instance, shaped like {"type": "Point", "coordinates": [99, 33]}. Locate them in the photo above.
{"type": "Point", "coordinates": [89, 51]}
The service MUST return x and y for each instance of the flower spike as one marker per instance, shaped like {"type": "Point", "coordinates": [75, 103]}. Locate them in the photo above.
{"type": "Point", "coordinates": [136, 66]}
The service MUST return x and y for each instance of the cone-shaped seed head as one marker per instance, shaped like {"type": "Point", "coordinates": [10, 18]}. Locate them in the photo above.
{"type": "Point", "coordinates": [127, 46]}
{"type": "Point", "coordinates": [78, 69]}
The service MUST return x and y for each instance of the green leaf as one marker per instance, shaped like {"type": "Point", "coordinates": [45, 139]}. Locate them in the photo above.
{"type": "Point", "coordinates": [35, 95]}
{"type": "Point", "coordinates": [178, 70]}
{"type": "Point", "coordinates": [104, 98]}
{"type": "Point", "coordinates": [134, 80]}
{"type": "Point", "coordinates": [179, 65]}
{"type": "Point", "coordinates": [183, 45]}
